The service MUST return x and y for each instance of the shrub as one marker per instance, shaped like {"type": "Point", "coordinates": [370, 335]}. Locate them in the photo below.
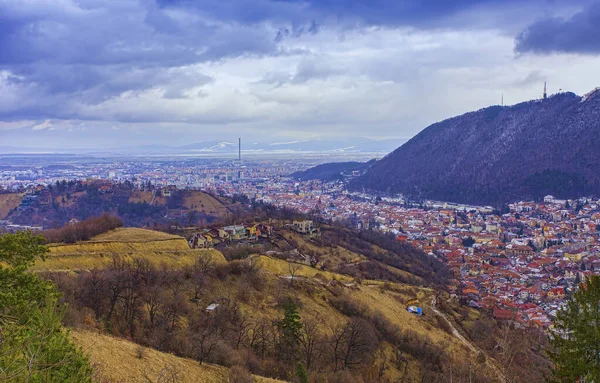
{"type": "Point", "coordinates": [83, 230]}
{"type": "Point", "coordinates": [239, 374]}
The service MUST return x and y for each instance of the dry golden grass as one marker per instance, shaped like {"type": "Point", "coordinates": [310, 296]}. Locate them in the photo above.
{"type": "Point", "coordinates": [82, 261]}
{"type": "Point", "coordinates": [200, 201]}
{"type": "Point", "coordinates": [128, 243]}
{"type": "Point", "coordinates": [116, 360]}
{"type": "Point", "coordinates": [335, 257]}
{"type": "Point", "coordinates": [9, 202]}
{"type": "Point", "coordinates": [282, 268]}
{"type": "Point", "coordinates": [139, 196]}
{"type": "Point", "coordinates": [68, 202]}
{"type": "Point", "coordinates": [132, 234]}
{"type": "Point", "coordinates": [392, 303]}
{"type": "Point", "coordinates": [390, 299]}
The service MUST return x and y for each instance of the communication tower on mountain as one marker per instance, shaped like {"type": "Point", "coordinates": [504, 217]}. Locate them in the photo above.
{"type": "Point", "coordinates": [545, 91]}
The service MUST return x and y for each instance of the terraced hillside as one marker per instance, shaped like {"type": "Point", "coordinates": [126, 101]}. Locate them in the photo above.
{"type": "Point", "coordinates": [126, 243]}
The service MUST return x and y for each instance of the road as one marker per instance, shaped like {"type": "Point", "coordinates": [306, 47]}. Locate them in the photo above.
{"type": "Point", "coordinates": [476, 350]}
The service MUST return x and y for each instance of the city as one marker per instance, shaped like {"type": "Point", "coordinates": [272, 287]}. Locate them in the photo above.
{"type": "Point", "coordinates": [300, 191]}
{"type": "Point", "coordinates": [521, 263]}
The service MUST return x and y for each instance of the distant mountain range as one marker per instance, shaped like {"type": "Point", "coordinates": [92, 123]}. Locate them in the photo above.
{"type": "Point", "coordinates": [342, 146]}
{"type": "Point", "coordinates": [499, 154]}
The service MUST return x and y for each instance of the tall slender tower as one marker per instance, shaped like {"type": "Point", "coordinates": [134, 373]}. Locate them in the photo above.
{"type": "Point", "coordinates": [545, 93]}
{"type": "Point", "coordinates": [240, 149]}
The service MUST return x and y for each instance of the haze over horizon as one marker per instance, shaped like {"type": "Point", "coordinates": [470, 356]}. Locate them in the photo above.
{"type": "Point", "coordinates": [94, 74]}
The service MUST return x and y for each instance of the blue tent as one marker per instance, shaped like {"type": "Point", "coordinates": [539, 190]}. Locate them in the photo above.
{"type": "Point", "coordinates": [415, 310]}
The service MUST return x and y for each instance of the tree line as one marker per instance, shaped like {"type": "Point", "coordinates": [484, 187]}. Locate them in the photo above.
{"type": "Point", "coordinates": [84, 230]}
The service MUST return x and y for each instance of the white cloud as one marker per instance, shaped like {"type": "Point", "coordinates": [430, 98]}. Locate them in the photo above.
{"type": "Point", "coordinates": [44, 125]}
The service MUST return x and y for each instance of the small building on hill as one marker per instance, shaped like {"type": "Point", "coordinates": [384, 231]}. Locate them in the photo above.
{"type": "Point", "coordinates": [304, 227]}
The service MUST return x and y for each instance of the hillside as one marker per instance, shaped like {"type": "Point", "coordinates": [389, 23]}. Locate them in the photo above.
{"type": "Point", "coordinates": [148, 287]}
{"type": "Point", "coordinates": [126, 244]}
{"type": "Point", "coordinates": [8, 202]}
{"type": "Point", "coordinates": [162, 305]}
{"type": "Point", "coordinates": [118, 360]}
{"type": "Point", "coordinates": [56, 205]}
{"type": "Point", "coordinates": [332, 171]}
{"type": "Point", "coordinates": [402, 345]}
{"type": "Point", "coordinates": [499, 154]}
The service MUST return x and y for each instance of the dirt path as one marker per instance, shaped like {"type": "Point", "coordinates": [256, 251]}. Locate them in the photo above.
{"type": "Point", "coordinates": [476, 350]}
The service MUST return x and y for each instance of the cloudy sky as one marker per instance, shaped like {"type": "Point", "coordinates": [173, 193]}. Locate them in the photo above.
{"type": "Point", "coordinates": [92, 73]}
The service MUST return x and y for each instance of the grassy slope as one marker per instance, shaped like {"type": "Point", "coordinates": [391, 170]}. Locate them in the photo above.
{"type": "Point", "coordinates": [157, 247]}
{"type": "Point", "coordinates": [9, 202]}
{"type": "Point", "coordinates": [198, 201]}
{"type": "Point", "coordinates": [203, 202]}
{"type": "Point", "coordinates": [389, 301]}
{"type": "Point", "coordinates": [338, 256]}
{"type": "Point", "coordinates": [314, 288]}
{"type": "Point", "coordinates": [140, 196]}
{"type": "Point", "coordinates": [115, 360]}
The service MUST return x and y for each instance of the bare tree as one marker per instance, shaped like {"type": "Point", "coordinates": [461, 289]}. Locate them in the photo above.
{"type": "Point", "coordinates": [153, 298]}
{"type": "Point", "coordinates": [205, 263]}
{"type": "Point", "coordinates": [310, 341]}
{"type": "Point", "coordinates": [204, 342]}
{"type": "Point", "coordinates": [352, 344]}
{"type": "Point", "coordinates": [293, 268]}
{"type": "Point", "coordinates": [93, 292]}
{"type": "Point", "coordinates": [261, 337]}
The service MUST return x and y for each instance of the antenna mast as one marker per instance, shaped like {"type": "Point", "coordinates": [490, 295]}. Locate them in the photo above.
{"type": "Point", "coordinates": [545, 93]}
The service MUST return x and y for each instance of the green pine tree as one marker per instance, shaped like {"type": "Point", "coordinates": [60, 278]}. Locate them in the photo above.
{"type": "Point", "coordinates": [289, 332]}
{"type": "Point", "coordinates": [575, 338]}
{"type": "Point", "coordinates": [301, 373]}
{"type": "Point", "coordinates": [33, 345]}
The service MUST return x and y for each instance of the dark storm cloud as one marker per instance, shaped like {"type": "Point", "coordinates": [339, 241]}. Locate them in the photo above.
{"type": "Point", "coordinates": [421, 13]}
{"type": "Point", "coordinates": [64, 59]}
{"type": "Point", "coordinates": [93, 51]}
{"type": "Point", "coordinates": [578, 34]}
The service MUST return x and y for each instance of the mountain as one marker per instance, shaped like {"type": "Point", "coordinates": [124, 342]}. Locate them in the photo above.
{"type": "Point", "coordinates": [210, 146]}
{"type": "Point", "coordinates": [331, 171]}
{"type": "Point", "coordinates": [499, 154]}
{"type": "Point", "coordinates": [230, 147]}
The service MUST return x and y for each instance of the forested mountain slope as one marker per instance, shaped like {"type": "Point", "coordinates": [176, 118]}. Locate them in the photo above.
{"type": "Point", "coordinates": [499, 154]}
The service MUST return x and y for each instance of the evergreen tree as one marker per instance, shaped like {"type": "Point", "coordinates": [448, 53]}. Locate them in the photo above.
{"type": "Point", "coordinates": [301, 373]}
{"type": "Point", "coordinates": [33, 345]}
{"type": "Point", "coordinates": [289, 332]}
{"type": "Point", "coordinates": [575, 338]}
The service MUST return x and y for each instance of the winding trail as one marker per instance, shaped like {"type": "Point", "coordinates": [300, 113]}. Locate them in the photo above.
{"type": "Point", "coordinates": [476, 350]}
